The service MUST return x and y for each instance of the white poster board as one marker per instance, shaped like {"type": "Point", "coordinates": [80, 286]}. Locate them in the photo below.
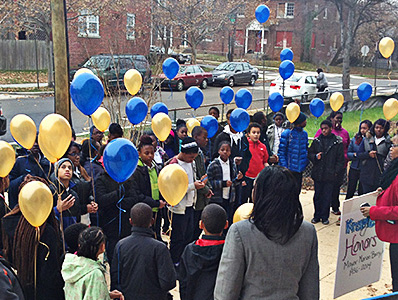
{"type": "Point", "coordinates": [360, 256]}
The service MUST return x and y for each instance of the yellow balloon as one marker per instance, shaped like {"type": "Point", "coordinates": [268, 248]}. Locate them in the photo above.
{"type": "Point", "coordinates": [336, 101]}
{"type": "Point", "coordinates": [7, 158]}
{"type": "Point", "coordinates": [191, 124]}
{"type": "Point", "coordinates": [56, 135]}
{"type": "Point", "coordinates": [132, 81]}
{"type": "Point", "coordinates": [173, 183]}
{"type": "Point", "coordinates": [51, 158]}
{"type": "Point", "coordinates": [386, 46]}
{"type": "Point", "coordinates": [81, 71]}
{"type": "Point", "coordinates": [243, 212]}
{"type": "Point", "coordinates": [390, 108]}
{"type": "Point", "coordinates": [161, 126]}
{"type": "Point", "coordinates": [292, 112]}
{"type": "Point", "coordinates": [101, 119]}
{"type": "Point", "coordinates": [36, 202]}
{"type": "Point", "coordinates": [23, 130]}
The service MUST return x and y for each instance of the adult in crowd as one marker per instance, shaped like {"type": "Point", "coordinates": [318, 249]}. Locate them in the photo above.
{"type": "Point", "coordinates": [374, 151]}
{"type": "Point", "coordinates": [352, 154]}
{"type": "Point", "coordinates": [293, 148]}
{"type": "Point", "coordinates": [385, 213]}
{"type": "Point", "coordinates": [274, 131]}
{"type": "Point", "coordinates": [336, 117]}
{"type": "Point", "coordinates": [321, 84]}
{"type": "Point", "coordinates": [274, 254]}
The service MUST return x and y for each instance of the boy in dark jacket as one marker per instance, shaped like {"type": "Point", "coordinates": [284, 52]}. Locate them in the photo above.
{"type": "Point", "coordinates": [198, 267]}
{"type": "Point", "coordinates": [327, 155]}
{"type": "Point", "coordinates": [142, 267]}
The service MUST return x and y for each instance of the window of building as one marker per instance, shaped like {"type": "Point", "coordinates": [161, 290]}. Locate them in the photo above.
{"type": "Point", "coordinates": [323, 40]}
{"type": "Point", "coordinates": [130, 27]}
{"type": "Point", "coordinates": [313, 41]}
{"type": "Point", "coordinates": [325, 13]}
{"type": "Point", "coordinates": [316, 11]}
{"type": "Point", "coordinates": [284, 39]}
{"type": "Point", "coordinates": [285, 10]}
{"type": "Point", "coordinates": [289, 10]}
{"type": "Point", "coordinates": [88, 24]}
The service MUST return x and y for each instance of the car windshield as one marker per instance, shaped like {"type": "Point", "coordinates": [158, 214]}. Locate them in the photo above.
{"type": "Point", "coordinates": [96, 62]}
{"type": "Point", "coordinates": [140, 64]}
{"type": "Point", "coordinates": [226, 67]}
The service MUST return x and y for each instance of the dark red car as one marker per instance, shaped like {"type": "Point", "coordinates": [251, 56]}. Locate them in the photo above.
{"type": "Point", "coordinates": [189, 75]}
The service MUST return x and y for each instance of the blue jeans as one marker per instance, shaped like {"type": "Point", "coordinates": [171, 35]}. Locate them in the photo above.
{"type": "Point", "coordinates": [322, 199]}
{"type": "Point", "coordinates": [181, 233]}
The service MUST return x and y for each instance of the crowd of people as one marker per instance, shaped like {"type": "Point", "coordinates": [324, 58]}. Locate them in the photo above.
{"type": "Point", "coordinates": [93, 214]}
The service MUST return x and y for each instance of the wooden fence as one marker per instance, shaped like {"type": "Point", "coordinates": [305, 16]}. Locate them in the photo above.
{"type": "Point", "coordinates": [21, 55]}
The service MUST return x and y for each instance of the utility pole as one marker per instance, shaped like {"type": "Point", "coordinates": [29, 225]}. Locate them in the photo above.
{"type": "Point", "coordinates": [58, 20]}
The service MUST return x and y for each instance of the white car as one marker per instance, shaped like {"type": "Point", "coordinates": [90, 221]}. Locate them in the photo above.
{"type": "Point", "coordinates": [298, 86]}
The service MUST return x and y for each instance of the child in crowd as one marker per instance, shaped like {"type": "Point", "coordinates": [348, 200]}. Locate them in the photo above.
{"type": "Point", "coordinates": [182, 132]}
{"type": "Point", "coordinates": [197, 271]}
{"type": "Point", "coordinates": [83, 274]}
{"type": "Point", "coordinates": [258, 160]}
{"type": "Point", "coordinates": [72, 234]}
{"type": "Point", "coordinates": [275, 130]}
{"type": "Point", "coordinates": [145, 181]}
{"type": "Point", "coordinates": [215, 112]}
{"type": "Point", "coordinates": [223, 177]}
{"type": "Point", "coordinates": [142, 267]}
{"type": "Point", "coordinates": [160, 155]}
{"type": "Point", "coordinates": [183, 213]}
{"type": "Point", "coordinates": [171, 144]}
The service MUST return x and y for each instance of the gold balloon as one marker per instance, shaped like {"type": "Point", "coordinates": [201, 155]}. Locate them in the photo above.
{"type": "Point", "coordinates": [55, 134]}
{"type": "Point", "coordinates": [36, 202]}
{"type": "Point", "coordinates": [390, 108]}
{"type": "Point", "coordinates": [292, 112]}
{"type": "Point", "coordinates": [101, 119]}
{"type": "Point", "coordinates": [336, 101]}
{"type": "Point", "coordinates": [132, 81]}
{"type": "Point", "coordinates": [161, 126]}
{"type": "Point", "coordinates": [173, 183]}
{"type": "Point", "coordinates": [7, 158]}
{"type": "Point", "coordinates": [243, 212]}
{"type": "Point", "coordinates": [191, 124]}
{"type": "Point", "coordinates": [81, 71]}
{"type": "Point", "coordinates": [386, 47]}
{"type": "Point", "coordinates": [23, 130]}
{"type": "Point", "coordinates": [51, 158]}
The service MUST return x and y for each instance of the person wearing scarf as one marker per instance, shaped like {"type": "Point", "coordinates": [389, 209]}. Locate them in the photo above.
{"type": "Point", "coordinates": [385, 212]}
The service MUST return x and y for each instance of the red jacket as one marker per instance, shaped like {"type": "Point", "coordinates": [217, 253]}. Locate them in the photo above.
{"type": "Point", "coordinates": [259, 158]}
{"type": "Point", "coordinates": [387, 209]}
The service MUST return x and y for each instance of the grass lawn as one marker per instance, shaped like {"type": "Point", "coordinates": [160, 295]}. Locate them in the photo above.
{"type": "Point", "coordinates": [350, 120]}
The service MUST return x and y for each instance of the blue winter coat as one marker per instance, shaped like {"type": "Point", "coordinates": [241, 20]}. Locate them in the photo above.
{"type": "Point", "coordinates": [293, 149]}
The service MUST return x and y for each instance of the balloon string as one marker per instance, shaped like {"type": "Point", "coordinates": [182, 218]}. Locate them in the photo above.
{"type": "Point", "coordinates": [171, 92]}
{"type": "Point", "coordinates": [389, 78]}
{"type": "Point", "coordinates": [156, 216]}
{"type": "Point", "coordinates": [170, 217]}
{"type": "Point", "coordinates": [90, 122]}
{"type": "Point", "coordinates": [37, 240]}
{"type": "Point", "coordinates": [119, 206]}
{"type": "Point", "coordinates": [360, 118]}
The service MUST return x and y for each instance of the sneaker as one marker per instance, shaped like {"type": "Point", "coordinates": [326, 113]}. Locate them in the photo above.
{"type": "Point", "coordinates": [337, 213]}
{"type": "Point", "coordinates": [338, 222]}
{"type": "Point", "coordinates": [325, 222]}
{"type": "Point", "coordinates": [315, 220]}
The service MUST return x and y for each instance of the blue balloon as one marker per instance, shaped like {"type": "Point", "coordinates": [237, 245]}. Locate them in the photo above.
{"type": "Point", "coordinates": [136, 110]}
{"type": "Point", "coordinates": [286, 69]}
{"type": "Point", "coordinates": [194, 97]}
{"type": "Point", "coordinates": [262, 13]}
{"type": "Point", "coordinates": [317, 107]}
{"type": "Point", "coordinates": [120, 159]}
{"type": "Point", "coordinates": [286, 54]}
{"type": "Point", "coordinates": [227, 94]}
{"type": "Point", "coordinates": [210, 124]}
{"type": "Point", "coordinates": [239, 119]}
{"type": "Point", "coordinates": [243, 98]}
{"type": "Point", "coordinates": [364, 91]}
{"type": "Point", "coordinates": [170, 68]}
{"type": "Point", "coordinates": [275, 101]}
{"type": "Point", "coordinates": [159, 107]}
{"type": "Point", "coordinates": [87, 93]}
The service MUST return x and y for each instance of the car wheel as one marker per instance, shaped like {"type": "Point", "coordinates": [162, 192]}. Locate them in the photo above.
{"type": "Point", "coordinates": [180, 85]}
{"type": "Point", "coordinates": [231, 82]}
{"type": "Point", "coordinates": [203, 85]}
{"type": "Point", "coordinates": [252, 81]}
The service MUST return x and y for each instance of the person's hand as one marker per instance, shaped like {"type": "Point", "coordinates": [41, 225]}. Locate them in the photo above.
{"type": "Point", "coordinates": [229, 183]}
{"type": "Point", "coordinates": [63, 205]}
{"type": "Point", "coordinates": [92, 207]}
{"type": "Point", "coordinates": [209, 194]}
{"type": "Point", "coordinates": [365, 211]}
{"type": "Point", "coordinates": [372, 154]}
{"type": "Point", "coordinates": [274, 159]}
{"type": "Point", "coordinates": [379, 190]}
{"type": "Point", "coordinates": [240, 175]}
{"type": "Point", "coordinates": [162, 203]}
{"type": "Point", "coordinates": [199, 185]}
{"type": "Point", "coordinates": [116, 294]}
{"type": "Point", "coordinates": [319, 156]}
{"type": "Point", "coordinates": [244, 183]}
{"type": "Point", "coordinates": [238, 160]}
{"type": "Point", "coordinates": [204, 179]}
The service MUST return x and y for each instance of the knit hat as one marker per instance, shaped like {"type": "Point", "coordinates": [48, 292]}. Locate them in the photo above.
{"type": "Point", "coordinates": [189, 146]}
{"type": "Point", "coordinates": [60, 162]}
{"type": "Point", "coordinates": [301, 118]}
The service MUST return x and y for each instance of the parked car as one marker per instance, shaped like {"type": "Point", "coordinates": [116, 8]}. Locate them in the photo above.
{"type": "Point", "coordinates": [298, 86]}
{"type": "Point", "coordinates": [232, 73]}
{"type": "Point", "coordinates": [188, 75]}
{"type": "Point", "coordinates": [111, 68]}
{"type": "Point", "coordinates": [3, 123]}
{"type": "Point", "coordinates": [182, 58]}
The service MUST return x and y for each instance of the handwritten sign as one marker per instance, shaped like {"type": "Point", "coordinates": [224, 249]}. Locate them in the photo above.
{"type": "Point", "coordinates": [360, 256]}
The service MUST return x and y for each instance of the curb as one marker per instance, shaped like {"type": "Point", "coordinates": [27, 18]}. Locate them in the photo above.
{"type": "Point", "coordinates": [28, 93]}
